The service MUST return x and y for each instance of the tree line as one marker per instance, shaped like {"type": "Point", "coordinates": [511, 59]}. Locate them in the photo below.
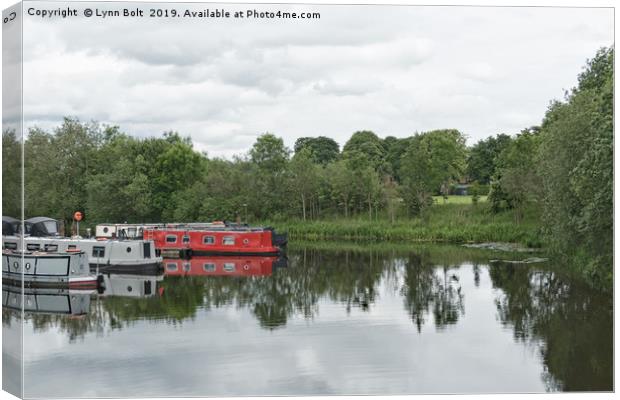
{"type": "Point", "coordinates": [563, 167]}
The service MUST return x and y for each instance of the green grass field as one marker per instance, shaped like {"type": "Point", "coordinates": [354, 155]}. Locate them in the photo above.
{"type": "Point", "coordinates": [457, 200]}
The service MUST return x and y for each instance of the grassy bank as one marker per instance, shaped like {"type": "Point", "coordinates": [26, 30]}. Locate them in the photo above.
{"type": "Point", "coordinates": [445, 223]}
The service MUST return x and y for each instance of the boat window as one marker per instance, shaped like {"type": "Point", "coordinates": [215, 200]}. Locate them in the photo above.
{"type": "Point", "coordinates": [209, 267]}
{"type": "Point", "coordinates": [185, 239]}
{"type": "Point", "coordinates": [72, 247]}
{"type": "Point", "coordinates": [208, 239]}
{"type": "Point", "coordinates": [131, 232]}
{"type": "Point", "coordinates": [10, 246]}
{"type": "Point", "coordinates": [51, 227]}
{"type": "Point", "coordinates": [171, 266]}
{"type": "Point", "coordinates": [146, 247]}
{"type": "Point", "coordinates": [105, 229]}
{"type": "Point", "coordinates": [228, 240]}
{"type": "Point", "coordinates": [171, 239]}
{"type": "Point", "coordinates": [51, 247]}
{"type": "Point", "coordinates": [33, 246]}
{"type": "Point", "coordinates": [128, 249]}
{"type": "Point", "coordinates": [98, 251]}
{"type": "Point", "coordinates": [229, 267]}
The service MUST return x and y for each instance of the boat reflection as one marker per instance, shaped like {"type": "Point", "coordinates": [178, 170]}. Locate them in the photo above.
{"type": "Point", "coordinates": [224, 266]}
{"type": "Point", "coordinates": [130, 285]}
{"type": "Point", "coordinates": [47, 300]}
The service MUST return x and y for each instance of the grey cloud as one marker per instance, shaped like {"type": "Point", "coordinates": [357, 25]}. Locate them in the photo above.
{"type": "Point", "coordinates": [394, 70]}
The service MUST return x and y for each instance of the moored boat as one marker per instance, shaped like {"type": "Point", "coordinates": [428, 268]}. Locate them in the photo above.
{"type": "Point", "coordinates": [113, 255]}
{"type": "Point", "coordinates": [41, 269]}
{"type": "Point", "coordinates": [201, 238]}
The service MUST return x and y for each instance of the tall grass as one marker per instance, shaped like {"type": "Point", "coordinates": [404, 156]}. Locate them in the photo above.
{"type": "Point", "coordinates": [448, 223]}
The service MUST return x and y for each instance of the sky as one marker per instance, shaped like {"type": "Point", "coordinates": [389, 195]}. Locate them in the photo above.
{"type": "Point", "coordinates": [223, 82]}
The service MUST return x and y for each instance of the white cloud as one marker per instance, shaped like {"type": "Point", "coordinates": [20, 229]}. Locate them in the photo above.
{"type": "Point", "coordinates": [395, 70]}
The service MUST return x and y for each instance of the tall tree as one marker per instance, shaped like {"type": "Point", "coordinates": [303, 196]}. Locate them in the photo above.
{"type": "Point", "coordinates": [433, 160]}
{"type": "Point", "coordinates": [269, 156]}
{"type": "Point", "coordinates": [518, 180]}
{"type": "Point", "coordinates": [322, 149]}
{"type": "Point", "coordinates": [368, 144]}
{"type": "Point", "coordinates": [304, 178]}
{"type": "Point", "coordinates": [576, 161]}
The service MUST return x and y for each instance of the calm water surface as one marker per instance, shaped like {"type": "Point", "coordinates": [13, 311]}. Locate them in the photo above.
{"type": "Point", "coordinates": [334, 320]}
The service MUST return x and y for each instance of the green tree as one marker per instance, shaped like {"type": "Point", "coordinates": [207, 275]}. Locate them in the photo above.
{"type": "Point", "coordinates": [269, 156]}
{"type": "Point", "coordinates": [304, 178]}
{"type": "Point", "coordinates": [395, 148]}
{"type": "Point", "coordinates": [269, 153]}
{"type": "Point", "coordinates": [433, 160]}
{"type": "Point", "coordinates": [11, 174]}
{"type": "Point", "coordinates": [368, 144]}
{"type": "Point", "coordinates": [323, 150]}
{"type": "Point", "coordinates": [518, 180]}
{"type": "Point", "coordinates": [482, 159]}
{"type": "Point", "coordinates": [340, 178]}
{"type": "Point", "coordinates": [576, 164]}
{"type": "Point", "coordinates": [58, 168]}
{"type": "Point", "coordinates": [120, 177]}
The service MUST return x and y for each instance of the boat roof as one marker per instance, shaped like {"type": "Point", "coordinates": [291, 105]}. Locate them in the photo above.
{"type": "Point", "coordinates": [35, 220]}
{"type": "Point", "coordinates": [8, 219]}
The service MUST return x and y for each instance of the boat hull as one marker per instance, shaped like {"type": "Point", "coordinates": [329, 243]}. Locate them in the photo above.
{"type": "Point", "coordinates": [142, 268]}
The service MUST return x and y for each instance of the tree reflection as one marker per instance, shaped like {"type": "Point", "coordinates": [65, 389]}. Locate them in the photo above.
{"type": "Point", "coordinates": [425, 290]}
{"type": "Point", "coordinates": [571, 324]}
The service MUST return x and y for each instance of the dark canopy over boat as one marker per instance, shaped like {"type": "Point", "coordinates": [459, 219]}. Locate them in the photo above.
{"type": "Point", "coordinates": [42, 227]}
{"type": "Point", "coordinates": [10, 225]}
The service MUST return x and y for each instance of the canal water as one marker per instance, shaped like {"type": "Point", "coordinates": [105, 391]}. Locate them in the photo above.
{"type": "Point", "coordinates": [333, 319]}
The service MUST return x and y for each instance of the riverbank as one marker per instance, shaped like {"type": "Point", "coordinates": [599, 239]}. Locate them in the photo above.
{"type": "Point", "coordinates": [448, 223]}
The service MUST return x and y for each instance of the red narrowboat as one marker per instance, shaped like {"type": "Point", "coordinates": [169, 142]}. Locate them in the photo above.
{"type": "Point", "coordinates": [216, 240]}
{"type": "Point", "coordinates": [223, 266]}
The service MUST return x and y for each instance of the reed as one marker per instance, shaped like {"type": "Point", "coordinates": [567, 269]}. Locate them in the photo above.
{"type": "Point", "coordinates": [449, 223]}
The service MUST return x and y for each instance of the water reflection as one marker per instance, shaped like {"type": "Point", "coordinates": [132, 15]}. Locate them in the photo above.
{"type": "Point", "coordinates": [574, 323]}
{"type": "Point", "coordinates": [447, 290]}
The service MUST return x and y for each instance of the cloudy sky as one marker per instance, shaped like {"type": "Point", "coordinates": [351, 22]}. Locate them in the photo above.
{"type": "Point", "coordinates": [393, 70]}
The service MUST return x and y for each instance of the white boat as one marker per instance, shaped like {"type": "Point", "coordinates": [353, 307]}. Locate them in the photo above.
{"type": "Point", "coordinates": [41, 269]}
{"type": "Point", "coordinates": [112, 255]}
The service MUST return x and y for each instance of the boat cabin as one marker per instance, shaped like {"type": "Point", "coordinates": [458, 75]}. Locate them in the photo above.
{"type": "Point", "coordinates": [42, 227]}
{"type": "Point", "coordinates": [122, 231]}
